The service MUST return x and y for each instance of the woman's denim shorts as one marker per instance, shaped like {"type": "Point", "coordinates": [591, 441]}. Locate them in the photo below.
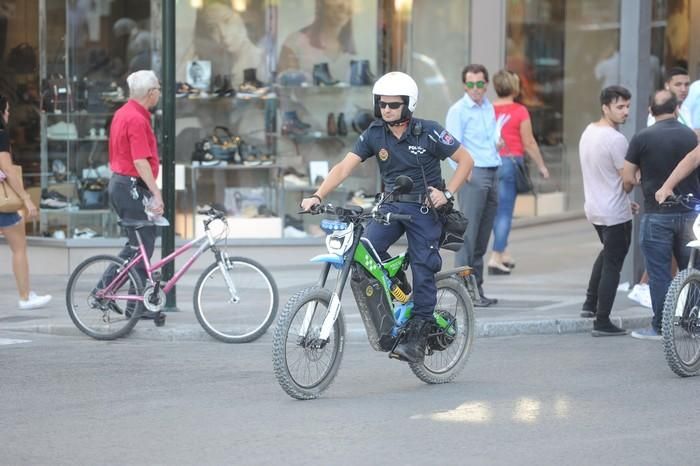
{"type": "Point", "coordinates": [8, 220]}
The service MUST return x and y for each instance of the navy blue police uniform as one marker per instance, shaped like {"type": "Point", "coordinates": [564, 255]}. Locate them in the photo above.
{"type": "Point", "coordinates": [424, 144]}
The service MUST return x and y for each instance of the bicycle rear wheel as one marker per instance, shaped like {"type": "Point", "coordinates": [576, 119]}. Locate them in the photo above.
{"type": "Point", "coordinates": [98, 317]}
{"type": "Point", "coordinates": [230, 320]}
{"type": "Point", "coordinates": [681, 323]}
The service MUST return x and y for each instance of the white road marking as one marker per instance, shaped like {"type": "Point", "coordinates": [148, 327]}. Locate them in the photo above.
{"type": "Point", "coordinates": [10, 341]}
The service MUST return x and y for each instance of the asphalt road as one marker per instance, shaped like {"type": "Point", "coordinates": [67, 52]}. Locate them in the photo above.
{"type": "Point", "coordinates": [559, 399]}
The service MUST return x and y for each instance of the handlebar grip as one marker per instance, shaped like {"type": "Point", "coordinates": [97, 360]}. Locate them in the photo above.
{"type": "Point", "coordinates": [402, 217]}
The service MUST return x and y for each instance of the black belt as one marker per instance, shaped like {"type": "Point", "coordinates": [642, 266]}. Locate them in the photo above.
{"type": "Point", "coordinates": [416, 198]}
{"type": "Point", "coordinates": [130, 179]}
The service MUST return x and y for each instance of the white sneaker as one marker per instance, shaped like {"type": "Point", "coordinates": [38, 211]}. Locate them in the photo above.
{"type": "Point", "coordinates": [34, 301]}
{"type": "Point", "coordinates": [641, 294]}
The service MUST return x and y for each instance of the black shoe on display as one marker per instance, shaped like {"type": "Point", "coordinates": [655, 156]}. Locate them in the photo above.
{"type": "Point", "coordinates": [292, 125]}
{"type": "Point", "coordinates": [342, 126]}
{"type": "Point", "coordinates": [222, 87]}
{"type": "Point", "coordinates": [412, 345]}
{"type": "Point", "coordinates": [322, 75]}
{"type": "Point", "coordinates": [360, 75]}
{"type": "Point", "coordinates": [251, 86]}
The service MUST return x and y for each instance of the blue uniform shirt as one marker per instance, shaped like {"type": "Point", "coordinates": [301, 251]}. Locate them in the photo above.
{"type": "Point", "coordinates": [475, 127]}
{"type": "Point", "coordinates": [405, 156]}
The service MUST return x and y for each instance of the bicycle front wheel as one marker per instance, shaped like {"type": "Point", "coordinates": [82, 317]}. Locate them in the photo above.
{"type": "Point", "coordinates": [97, 316]}
{"type": "Point", "coordinates": [236, 304]}
{"type": "Point", "coordinates": [681, 323]}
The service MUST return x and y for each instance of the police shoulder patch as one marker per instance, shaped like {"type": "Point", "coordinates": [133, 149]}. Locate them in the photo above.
{"type": "Point", "coordinates": [446, 138]}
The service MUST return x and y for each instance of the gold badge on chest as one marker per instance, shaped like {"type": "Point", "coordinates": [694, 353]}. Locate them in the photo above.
{"type": "Point", "coordinates": [383, 155]}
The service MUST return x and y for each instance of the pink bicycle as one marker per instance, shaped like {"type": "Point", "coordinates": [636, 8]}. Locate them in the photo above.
{"type": "Point", "coordinates": [235, 298]}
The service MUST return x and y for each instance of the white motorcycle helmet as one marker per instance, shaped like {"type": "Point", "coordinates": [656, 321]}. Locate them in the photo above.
{"type": "Point", "coordinates": [396, 83]}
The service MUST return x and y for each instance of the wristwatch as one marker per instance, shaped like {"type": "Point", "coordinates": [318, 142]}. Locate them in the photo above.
{"type": "Point", "coordinates": [448, 195]}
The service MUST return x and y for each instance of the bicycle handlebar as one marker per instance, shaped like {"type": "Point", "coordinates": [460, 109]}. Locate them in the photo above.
{"type": "Point", "coordinates": [356, 214]}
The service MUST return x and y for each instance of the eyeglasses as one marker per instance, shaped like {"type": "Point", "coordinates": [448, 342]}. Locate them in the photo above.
{"type": "Point", "coordinates": [155, 89]}
{"type": "Point", "coordinates": [391, 105]}
{"type": "Point", "coordinates": [478, 84]}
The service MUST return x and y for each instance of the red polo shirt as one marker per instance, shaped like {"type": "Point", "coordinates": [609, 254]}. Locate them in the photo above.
{"type": "Point", "coordinates": [130, 138]}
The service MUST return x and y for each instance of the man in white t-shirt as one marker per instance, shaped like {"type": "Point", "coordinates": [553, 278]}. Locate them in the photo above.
{"type": "Point", "coordinates": [678, 82]}
{"type": "Point", "coordinates": [602, 150]}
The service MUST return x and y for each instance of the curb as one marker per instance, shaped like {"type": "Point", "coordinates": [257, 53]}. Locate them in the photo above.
{"type": "Point", "coordinates": [147, 331]}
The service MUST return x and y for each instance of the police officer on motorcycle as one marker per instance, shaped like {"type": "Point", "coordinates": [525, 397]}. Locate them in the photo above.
{"type": "Point", "coordinates": [405, 145]}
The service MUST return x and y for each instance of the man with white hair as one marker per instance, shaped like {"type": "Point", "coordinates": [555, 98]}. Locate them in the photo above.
{"type": "Point", "coordinates": [134, 161]}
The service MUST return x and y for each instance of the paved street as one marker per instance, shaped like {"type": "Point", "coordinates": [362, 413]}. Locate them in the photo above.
{"type": "Point", "coordinates": [173, 395]}
{"type": "Point", "coordinates": [555, 399]}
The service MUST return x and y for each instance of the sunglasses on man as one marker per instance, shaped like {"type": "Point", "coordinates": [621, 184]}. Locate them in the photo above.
{"type": "Point", "coordinates": [391, 105]}
{"type": "Point", "coordinates": [478, 84]}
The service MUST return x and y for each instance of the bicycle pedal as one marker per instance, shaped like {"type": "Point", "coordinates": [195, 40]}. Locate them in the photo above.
{"type": "Point", "coordinates": [159, 320]}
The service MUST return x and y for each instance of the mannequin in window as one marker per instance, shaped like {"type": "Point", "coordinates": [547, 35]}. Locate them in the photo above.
{"type": "Point", "coordinates": [220, 36]}
{"type": "Point", "coordinates": [328, 39]}
{"type": "Point", "coordinates": [138, 50]}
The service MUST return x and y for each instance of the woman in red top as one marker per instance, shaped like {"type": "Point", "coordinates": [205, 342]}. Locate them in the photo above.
{"type": "Point", "coordinates": [518, 139]}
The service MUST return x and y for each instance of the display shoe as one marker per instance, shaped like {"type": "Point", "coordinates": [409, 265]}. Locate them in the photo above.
{"type": "Point", "coordinates": [498, 269]}
{"type": "Point", "coordinates": [331, 128]}
{"type": "Point", "coordinates": [224, 89]}
{"type": "Point", "coordinates": [360, 75]}
{"type": "Point", "coordinates": [342, 126]}
{"type": "Point", "coordinates": [322, 75]}
{"type": "Point", "coordinates": [293, 126]}
{"type": "Point", "coordinates": [251, 86]}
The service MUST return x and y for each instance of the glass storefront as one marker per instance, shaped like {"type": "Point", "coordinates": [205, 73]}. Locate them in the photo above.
{"type": "Point", "coordinates": [271, 94]}
{"type": "Point", "coordinates": [565, 53]}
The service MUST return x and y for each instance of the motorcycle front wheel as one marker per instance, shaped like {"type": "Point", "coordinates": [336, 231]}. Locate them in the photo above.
{"type": "Point", "coordinates": [304, 365]}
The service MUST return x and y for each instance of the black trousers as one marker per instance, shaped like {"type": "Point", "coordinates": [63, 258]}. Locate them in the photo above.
{"type": "Point", "coordinates": [126, 198]}
{"type": "Point", "coordinates": [605, 276]}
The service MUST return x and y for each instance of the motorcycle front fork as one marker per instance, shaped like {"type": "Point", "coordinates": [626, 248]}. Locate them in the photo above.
{"type": "Point", "coordinates": [333, 307]}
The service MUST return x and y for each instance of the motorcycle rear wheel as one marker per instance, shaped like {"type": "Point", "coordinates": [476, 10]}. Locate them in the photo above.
{"type": "Point", "coordinates": [447, 350]}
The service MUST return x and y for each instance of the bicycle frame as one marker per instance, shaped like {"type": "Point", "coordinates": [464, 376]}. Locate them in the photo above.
{"type": "Point", "coordinates": [207, 242]}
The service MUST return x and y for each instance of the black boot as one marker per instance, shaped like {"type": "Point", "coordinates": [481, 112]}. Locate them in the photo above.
{"type": "Point", "coordinates": [322, 75]}
{"type": "Point", "coordinates": [412, 344]}
{"type": "Point", "coordinates": [360, 75]}
{"type": "Point", "coordinates": [292, 125]}
{"type": "Point", "coordinates": [251, 85]}
{"type": "Point", "coordinates": [342, 126]}
{"type": "Point", "coordinates": [483, 301]}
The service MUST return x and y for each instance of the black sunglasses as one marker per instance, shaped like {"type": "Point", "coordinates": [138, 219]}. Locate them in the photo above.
{"type": "Point", "coordinates": [391, 105]}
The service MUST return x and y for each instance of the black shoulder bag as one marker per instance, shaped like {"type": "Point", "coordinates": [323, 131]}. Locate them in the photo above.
{"type": "Point", "coordinates": [453, 221]}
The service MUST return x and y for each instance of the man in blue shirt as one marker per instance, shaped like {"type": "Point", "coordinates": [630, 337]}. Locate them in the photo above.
{"type": "Point", "coordinates": [473, 122]}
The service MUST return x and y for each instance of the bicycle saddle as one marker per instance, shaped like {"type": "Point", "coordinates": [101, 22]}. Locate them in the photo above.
{"type": "Point", "coordinates": [135, 224]}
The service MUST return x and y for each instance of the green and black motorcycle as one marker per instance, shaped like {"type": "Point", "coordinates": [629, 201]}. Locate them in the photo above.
{"type": "Point", "coordinates": [309, 338]}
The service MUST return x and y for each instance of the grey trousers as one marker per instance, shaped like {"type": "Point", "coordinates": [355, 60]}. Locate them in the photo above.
{"type": "Point", "coordinates": [478, 201]}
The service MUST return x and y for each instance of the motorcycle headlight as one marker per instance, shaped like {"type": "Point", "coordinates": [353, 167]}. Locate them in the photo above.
{"type": "Point", "coordinates": [340, 241]}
